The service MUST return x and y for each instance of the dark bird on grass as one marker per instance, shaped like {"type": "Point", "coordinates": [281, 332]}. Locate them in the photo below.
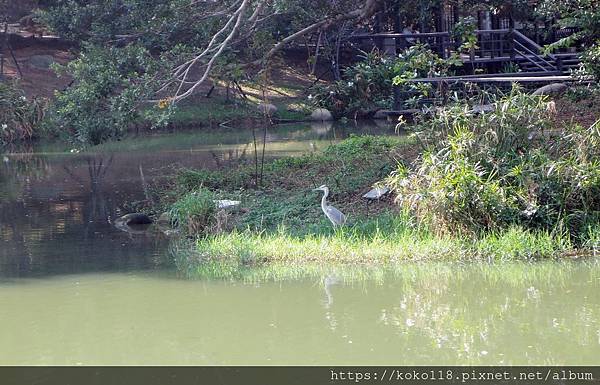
{"type": "Point", "coordinates": [336, 217]}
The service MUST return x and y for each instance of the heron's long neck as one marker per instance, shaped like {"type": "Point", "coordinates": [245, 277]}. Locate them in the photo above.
{"type": "Point", "coordinates": [324, 199]}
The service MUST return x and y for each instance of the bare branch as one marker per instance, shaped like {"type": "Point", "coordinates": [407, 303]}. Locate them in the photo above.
{"type": "Point", "coordinates": [241, 24]}
{"type": "Point", "coordinates": [238, 17]}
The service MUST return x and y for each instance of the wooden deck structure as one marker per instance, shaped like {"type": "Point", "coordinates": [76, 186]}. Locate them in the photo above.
{"type": "Point", "coordinates": [496, 47]}
{"type": "Point", "coordinates": [497, 50]}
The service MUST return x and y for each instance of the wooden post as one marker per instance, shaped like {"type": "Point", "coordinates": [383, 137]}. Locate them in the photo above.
{"type": "Point", "coordinates": [559, 64]}
{"type": "Point", "coordinates": [445, 45]}
{"type": "Point", "coordinates": [456, 13]}
{"type": "Point", "coordinates": [511, 31]}
{"type": "Point", "coordinates": [2, 58]}
{"type": "Point", "coordinates": [511, 43]}
{"type": "Point", "coordinates": [5, 40]}
{"type": "Point", "coordinates": [397, 19]}
{"type": "Point", "coordinates": [389, 46]}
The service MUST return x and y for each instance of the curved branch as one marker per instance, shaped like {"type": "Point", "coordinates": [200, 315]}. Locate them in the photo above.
{"type": "Point", "coordinates": [240, 22]}
{"type": "Point", "coordinates": [367, 11]}
{"type": "Point", "coordinates": [240, 13]}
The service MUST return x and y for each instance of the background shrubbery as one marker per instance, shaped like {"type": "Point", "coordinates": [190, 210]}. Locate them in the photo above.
{"type": "Point", "coordinates": [104, 101]}
{"type": "Point", "coordinates": [591, 61]}
{"type": "Point", "coordinates": [365, 86]}
{"type": "Point", "coordinates": [368, 84]}
{"type": "Point", "coordinates": [19, 116]}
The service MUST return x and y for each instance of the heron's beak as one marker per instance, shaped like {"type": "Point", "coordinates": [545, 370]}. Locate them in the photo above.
{"type": "Point", "coordinates": [316, 189]}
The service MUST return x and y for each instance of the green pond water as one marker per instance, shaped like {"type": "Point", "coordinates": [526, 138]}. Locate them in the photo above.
{"type": "Point", "coordinates": [76, 290]}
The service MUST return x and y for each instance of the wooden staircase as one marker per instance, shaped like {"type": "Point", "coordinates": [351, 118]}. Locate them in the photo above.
{"type": "Point", "coordinates": [563, 63]}
{"type": "Point", "coordinates": [531, 58]}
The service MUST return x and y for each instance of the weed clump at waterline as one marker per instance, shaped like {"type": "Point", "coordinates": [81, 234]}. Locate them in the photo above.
{"type": "Point", "coordinates": [194, 212]}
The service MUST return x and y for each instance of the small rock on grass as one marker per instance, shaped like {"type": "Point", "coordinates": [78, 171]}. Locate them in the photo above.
{"type": "Point", "coordinates": [266, 108]}
{"type": "Point", "coordinates": [321, 114]}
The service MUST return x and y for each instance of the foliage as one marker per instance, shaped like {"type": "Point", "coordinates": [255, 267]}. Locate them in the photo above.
{"type": "Point", "coordinates": [155, 24]}
{"type": "Point", "coordinates": [128, 49]}
{"type": "Point", "coordinates": [365, 85]}
{"type": "Point", "coordinates": [419, 61]}
{"type": "Point", "coordinates": [368, 84]}
{"type": "Point", "coordinates": [510, 68]}
{"type": "Point", "coordinates": [465, 32]}
{"type": "Point", "coordinates": [591, 61]}
{"type": "Point", "coordinates": [105, 98]}
{"type": "Point", "coordinates": [19, 116]}
{"type": "Point", "coordinates": [194, 212]}
{"type": "Point", "coordinates": [166, 35]}
{"type": "Point", "coordinates": [498, 169]}
{"type": "Point", "coordinates": [585, 92]}
{"type": "Point", "coordinates": [582, 15]}
{"type": "Point", "coordinates": [387, 241]}
{"type": "Point", "coordinates": [189, 180]}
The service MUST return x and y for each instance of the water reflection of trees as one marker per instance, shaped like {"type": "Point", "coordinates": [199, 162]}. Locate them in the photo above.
{"type": "Point", "coordinates": [57, 219]}
{"type": "Point", "coordinates": [543, 313]}
{"type": "Point", "coordinates": [16, 170]}
{"type": "Point", "coordinates": [510, 314]}
{"type": "Point", "coordinates": [230, 157]}
{"type": "Point", "coordinates": [16, 173]}
{"type": "Point", "coordinates": [472, 316]}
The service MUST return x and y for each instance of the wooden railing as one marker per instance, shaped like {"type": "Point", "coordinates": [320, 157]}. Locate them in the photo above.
{"type": "Point", "coordinates": [491, 44]}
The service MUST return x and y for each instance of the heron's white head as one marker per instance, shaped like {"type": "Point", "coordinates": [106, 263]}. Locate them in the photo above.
{"type": "Point", "coordinates": [322, 188]}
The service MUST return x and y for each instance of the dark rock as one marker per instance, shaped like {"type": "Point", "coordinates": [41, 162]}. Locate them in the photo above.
{"type": "Point", "coordinates": [551, 89]}
{"type": "Point", "coordinates": [134, 219]}
{"type": "Point", "coordinates": [164, 219]}
{"type": "Point", "coordinates": [481, 108]}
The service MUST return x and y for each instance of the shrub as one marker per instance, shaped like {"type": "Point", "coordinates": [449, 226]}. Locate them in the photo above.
{"type": "Point", "coordinates": [194, 212]}
{"type": "Point", "coordinates": [365, 85]}
{"type": "Point", "coordinates": [368, 85]}
{"type": "Point", "coordinates": [494, 170]}
{"type": "Point", "coordinates": [19, 117]}
{"type": "Point", "coordinates": [582, 91]}
{"type": "Point", "coordinates": [105, 98]}
{"type": "Point", "coordinates": [465, 32]}
{"type": "Point", "coordinates": [419, 61]}
{"type": "Point", "coordinates": [361, 146]}
{"type": "Point", "coordinates": [591, 61]}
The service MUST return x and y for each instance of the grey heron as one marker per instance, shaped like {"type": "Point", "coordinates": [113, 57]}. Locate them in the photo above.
{"type": "Point", "coordinates": [336, 217]}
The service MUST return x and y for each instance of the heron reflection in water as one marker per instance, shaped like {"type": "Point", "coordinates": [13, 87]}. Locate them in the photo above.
{"type": "Point", "coordinates": [328, 282]}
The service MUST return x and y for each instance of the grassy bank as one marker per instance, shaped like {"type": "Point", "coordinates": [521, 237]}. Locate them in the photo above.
{"type": "Point", "coordinates": [282, 223]}
{"type": "Point", "coordinates": [388, 244]}
{"type": "Point", "coordinates": [285, 197]}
